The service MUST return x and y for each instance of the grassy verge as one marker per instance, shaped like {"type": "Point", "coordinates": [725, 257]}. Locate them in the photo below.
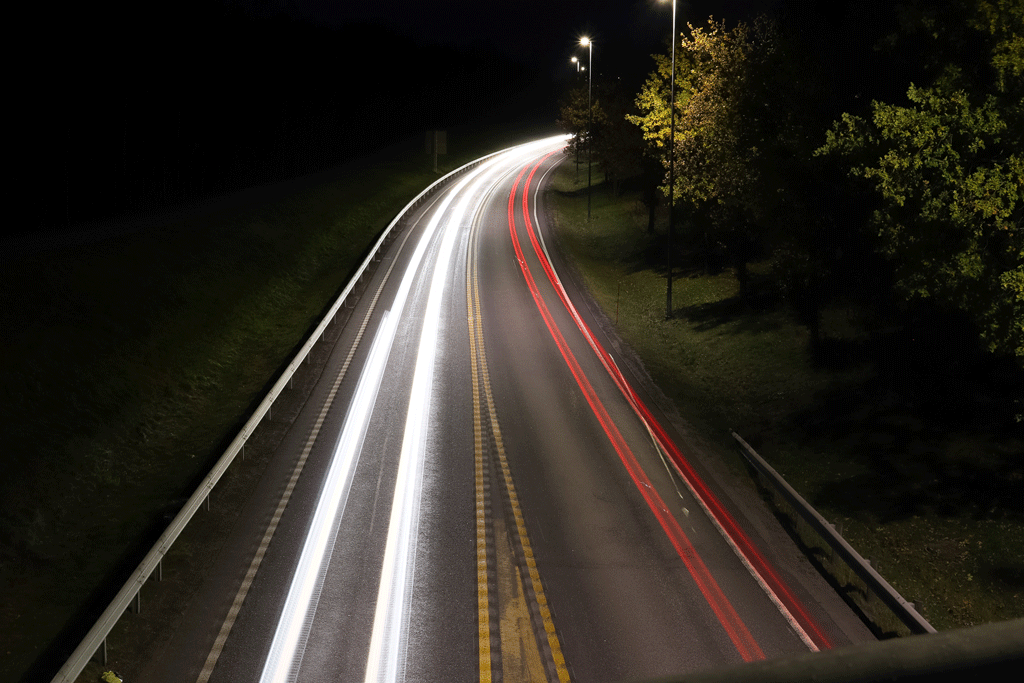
{"type": "Point", "coordinates": [935, 499]}
{"type": "Point", "coordinates": [129, 363]}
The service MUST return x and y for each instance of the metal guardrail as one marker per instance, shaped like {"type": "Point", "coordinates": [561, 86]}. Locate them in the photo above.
{"type": "Point", "coordinates": [901, 608]}
{"type": "Point", "coordinates": [96, 639]}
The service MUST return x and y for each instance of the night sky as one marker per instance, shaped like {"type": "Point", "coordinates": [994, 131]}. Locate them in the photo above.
{"type": "Point", "coordinates": [122, 111]}
{"type": "Point", "coordinates": [537, 32]}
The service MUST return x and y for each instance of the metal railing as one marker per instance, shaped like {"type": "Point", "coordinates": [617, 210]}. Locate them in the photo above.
{"type": "Point", "coordinates": [95, 641]}
{"type": "Point", "coordinates": [869, 581]}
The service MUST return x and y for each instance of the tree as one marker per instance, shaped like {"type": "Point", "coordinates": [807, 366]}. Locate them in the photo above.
{"type": "Point", "coordinates": [730, 121]}
{"type": "Point", "coordinates": [948, 168]}
{"type": "Point", "coordinates": [619, 146]}
{"type": "Point", "coordinates": [653, 102]}
{"type": "Point", "coordinates": [575, 119]}
{"type": "Point", "coordinates": [654, 121]}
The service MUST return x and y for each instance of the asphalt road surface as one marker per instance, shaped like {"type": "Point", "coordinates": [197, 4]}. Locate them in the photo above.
{"type": "Point", "coordinates": [483, 487]}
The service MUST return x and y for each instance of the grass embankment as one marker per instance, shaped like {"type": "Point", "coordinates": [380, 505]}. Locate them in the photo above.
{"type": "Point", "coordinates": [129, 363]}
{"type": "Point", "coordinates": [924, 486]}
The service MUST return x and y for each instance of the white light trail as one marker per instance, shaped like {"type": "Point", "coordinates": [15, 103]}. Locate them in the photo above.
{"type": "Point", "coordinates": [385, 662]}
{"type": "Point", "coordinates": [287, 648]}
{"type": "Point", "coordinates": [293, 626]}
{"type": "Point", "coordinates": [391, 618]}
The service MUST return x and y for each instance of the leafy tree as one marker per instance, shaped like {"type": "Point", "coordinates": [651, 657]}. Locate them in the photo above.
{"type": "Point", "coordinates": [575, 119]}
{"type": "Point", "coordinates": [654, 121]}
{"type": "Point", "coordinates": [948, 167]}
{"type": "Point", "coordinates": [731, 120]}
{"type": "Point", "coordinates": [716, 141]}
{"type": "Point", "coordinates": [619, 146]}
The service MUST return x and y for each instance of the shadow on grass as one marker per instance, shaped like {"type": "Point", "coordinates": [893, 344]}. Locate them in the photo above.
{"type": "Point", "coordinates": [734, 312]}
{"type": "Point", "coordinates": [934, 429]}
{"type": "Point", "coordinates": [911, 472]}
{"type": "Point", "coordinates": [1009, 574]}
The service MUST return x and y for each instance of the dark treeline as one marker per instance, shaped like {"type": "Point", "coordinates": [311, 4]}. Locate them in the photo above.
{"type": "Point", "coordinates": [119, 114]}
{"type": "Point", "coordinates": [867, 152]}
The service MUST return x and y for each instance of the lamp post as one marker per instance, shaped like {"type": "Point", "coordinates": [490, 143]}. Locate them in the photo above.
{"type": "Point", "coordinates": [575, 60]}
{"type": "Point", "coordinates": [671, 169]}
{"type": "Point", "coordinates": [589, 44]}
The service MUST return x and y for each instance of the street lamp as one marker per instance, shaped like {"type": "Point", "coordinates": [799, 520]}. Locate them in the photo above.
{"type": "Point", "coordinates": [671, 169]}
{"type": "Point", "coordinates": [575, 60]}
{"type": "Point", "coordinates": [589, 44]}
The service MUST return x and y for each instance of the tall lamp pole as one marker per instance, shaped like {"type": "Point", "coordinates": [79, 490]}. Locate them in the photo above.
{"type": "Point", "coordinates": [588, 43]}
{"type": "Point", "coordinates": [576, 61]}
{"type": "Point", "coordinates": [671, 169]}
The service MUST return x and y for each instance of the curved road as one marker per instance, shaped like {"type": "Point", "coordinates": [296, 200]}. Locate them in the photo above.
{"type": "Point", "coordinates": [475, 490]}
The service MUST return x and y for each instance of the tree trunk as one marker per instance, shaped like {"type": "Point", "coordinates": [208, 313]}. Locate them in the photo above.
{"type": "Point", "coordinates": [743, 277]}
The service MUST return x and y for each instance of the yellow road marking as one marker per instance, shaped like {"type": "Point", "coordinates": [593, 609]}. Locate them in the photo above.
{"type": "Point", "coordinates": [520, 656]}
{"type": "Point", "coordinates": [524, 658]}
{"type": "Point", "coordinates": [482, 599]}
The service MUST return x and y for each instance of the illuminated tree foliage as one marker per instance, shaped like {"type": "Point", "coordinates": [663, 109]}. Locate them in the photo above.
{"type": "Point", "coordinates": [653, 102]}
{"type": "Point", "coordinates": [654, 124]}
{"type": "Point", "coordinates": [948, 168]}
{"type": "Point", "coordinates": [931, 183]}
{"type": "Point", "coordinates": [733, 130]}
{"type": "Point", "coordinates": [719, 137]}
{"type": "Point", "coordinates": [715, 136]}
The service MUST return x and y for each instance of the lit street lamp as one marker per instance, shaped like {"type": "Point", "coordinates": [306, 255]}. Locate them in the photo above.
{"type": "Point", "coordinates": [576, 60]}
{"type": "Point", "coordinates": [588, 43]}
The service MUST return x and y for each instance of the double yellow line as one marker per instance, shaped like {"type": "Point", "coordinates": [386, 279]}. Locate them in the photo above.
{"type": "Point", "coordinates": [519, 654]}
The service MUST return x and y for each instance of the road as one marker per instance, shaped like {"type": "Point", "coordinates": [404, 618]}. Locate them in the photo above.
{"type": "Point", "coordinates": [482, 487]}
